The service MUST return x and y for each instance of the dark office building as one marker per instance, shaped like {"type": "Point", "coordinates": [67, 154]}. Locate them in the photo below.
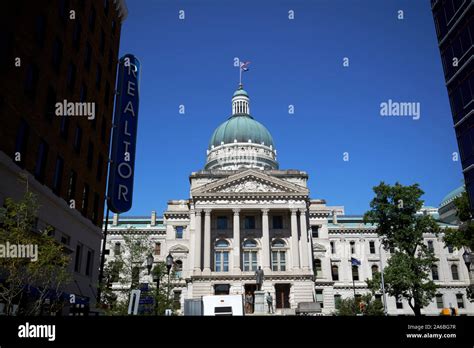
{"type": "Point", "coordinates": [454, 22]}
{"type": "Point", "coordinates": [60, 51]}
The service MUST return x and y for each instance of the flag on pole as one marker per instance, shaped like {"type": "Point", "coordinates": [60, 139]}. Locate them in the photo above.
{"type": "Point", "coordinates": [355, 262]}
{"type": "Point", "coordinates": [244, 66]}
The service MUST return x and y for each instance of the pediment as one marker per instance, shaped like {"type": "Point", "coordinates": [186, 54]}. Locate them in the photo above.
{"type": "Point", "coordinates": [250, 182]}
{"type": "Point", "coordinates": [319, 247]}
{"type": "Point", "coordinates": [179, 249]}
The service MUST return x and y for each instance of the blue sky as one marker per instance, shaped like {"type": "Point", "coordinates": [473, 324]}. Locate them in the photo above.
{"type": "Point", "coordinates": [296, 62]}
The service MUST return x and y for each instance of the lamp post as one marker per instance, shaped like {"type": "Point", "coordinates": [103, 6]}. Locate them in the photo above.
{"type": "Point", "coordinates": [149, 262]}
{"type": "Point", "coordinates": [467, 257]}
{"type": "Point", "coordinates": [383, 282]}
{"type": "Point", "coordinates": [156, 278]}
{"type": "Point", "coordinates": [169, 264]}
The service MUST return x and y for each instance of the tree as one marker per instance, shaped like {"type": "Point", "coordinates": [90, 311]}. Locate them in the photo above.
{"type": "Point", "coordinates": [125, 270]}
{"type": "Point", "coordinates": [42, 278]}
{"type": "Point", "coordinates": [364, 305]}
{"type": "Point", "coordinates": [463, 236]}
{"type": "Point", "coordinates": [394, 211]}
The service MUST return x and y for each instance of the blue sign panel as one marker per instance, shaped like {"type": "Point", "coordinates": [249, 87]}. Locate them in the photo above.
{"type": "Point", "coordinates": [120, 189]}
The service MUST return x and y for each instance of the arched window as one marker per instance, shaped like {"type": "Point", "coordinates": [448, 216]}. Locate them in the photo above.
{"type": "Point", "coordinates": [355, 272]}
{"type": "Point", "coordinates": [221, 256]}
{"type": "Point", "coordinates": [335, 272]}
{"type": "Point", "coordinates": [250, 254]}
{"type": "Point", "coordinates": [375, 269]}
{"type": "Point", "coordinates": [454, 272]}
{"type": "Point", "coordinates": [434, 272]}
{"type": "Point", "coordinates": [318, 270]}
{"type": "Point", "coordinates": [178, 268]}
{"type": "Point", "coordinates": [279, 255]}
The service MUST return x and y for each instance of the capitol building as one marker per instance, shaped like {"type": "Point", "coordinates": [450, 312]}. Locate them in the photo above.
{"type": "Point", "coordinates": [244, 212]}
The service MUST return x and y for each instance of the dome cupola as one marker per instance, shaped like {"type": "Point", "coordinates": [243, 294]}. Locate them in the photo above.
{"type": "Point", "coordinates": [241, 141]}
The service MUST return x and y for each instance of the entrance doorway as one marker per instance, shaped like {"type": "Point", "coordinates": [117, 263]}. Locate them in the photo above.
{"type": "Point", "coordinates": [282, 294]}
{"type": "Point", "coordinates": [249, 297]}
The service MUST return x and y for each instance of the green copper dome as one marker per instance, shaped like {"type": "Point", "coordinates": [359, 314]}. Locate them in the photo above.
{"type": "Point", "coordinates": [242, 128]}
{"type": "Point", "coordinates": [240, 91]}
{"type": "Point", "coordinates": [452, 195]}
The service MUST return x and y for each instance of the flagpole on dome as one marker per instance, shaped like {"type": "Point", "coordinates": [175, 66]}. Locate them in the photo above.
{"type": "Point", "coordinates": [242, 67]}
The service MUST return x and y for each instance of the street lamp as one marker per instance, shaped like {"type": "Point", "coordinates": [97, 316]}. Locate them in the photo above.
{"type": "Point", "coordinates": [169, 264]}
{"type": "Point", "coordinates": [156, 278]}
{"type": "Point", "coordinates": [467, 259]}
{"type": "Point", "coordinates": [149, 262]}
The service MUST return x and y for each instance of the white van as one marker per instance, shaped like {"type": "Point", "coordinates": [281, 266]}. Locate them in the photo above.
{"type": "Point", "coordinates": [223, 305]}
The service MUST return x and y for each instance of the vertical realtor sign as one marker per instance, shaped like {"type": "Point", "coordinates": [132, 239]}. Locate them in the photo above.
{"type": "Point", "coordinates": [120, 187]}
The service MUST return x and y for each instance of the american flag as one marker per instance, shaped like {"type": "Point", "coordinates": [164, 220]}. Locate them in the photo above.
{"type": "Point", "coordinates": [244, 66]}
{"type": "Point", "coordinates": [355, 262]}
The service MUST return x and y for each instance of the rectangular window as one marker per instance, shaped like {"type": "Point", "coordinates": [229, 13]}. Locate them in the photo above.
{"type": "Point", "coordinates": [450, 249]}
{"type": "Point", "coordinates": [319, 297]}
{"type": "Point", "coordinates": [333, 247]}
{"type": "Point", "coordinates": [249, 222]}
{"type": "Point", "coordinates": [117, 249]}
{"type": "Point", "coordinates": [90, 154]}
{"type": "Point", "coordinates": [102, 42]}
{"type": "Point", "coordinates": [177, 299]}
{"type": "Point", "coordinates": [64, 127]}
{"type": "Point", "coordinates": [157, 248]}
{"type": "Point", "coordinates": [439, 301]}
{"type": "Point", "coordinates": [135, 276]}
{"type": "Point", "coordinates": [399, 302]}
{"type": "Point", "coordinates": [50, 107]}
{"type": "Point", "coordinates": [460, 300]}
{"type": "Point", "coordinates": [71, 189]}
{"type": "Point", "coordinates": [279, 261]}
{"type": "Point", "coordinates": [222, 222]}
{"type": "Point", "coordinates": [179, 232]}
{"type": "Point", "coordinates": [71, 76]}
{"type": "Point", "coordinates": [352, 244]}
{"type": "Point", "coordinates": [65, 239]}
{"type": "Point", "coordinates": [430, 246]}
{"type": "Point", "coordinates": [221, 261]}
{"type": "Point", "coordinates": [77, 139]}
{"type": "Point", "coordinates": [315, 231]}
{"type": "Point", "coordinates": [40, 29]}
{"type": "Point", "coordinates": [98, 76]}
{"type": "Point", "coordinates": [22, 142]}
{"type": "Point", "coordinates": [372, 247]}
{"type": "Point", "coordinates": [58, 175]}
{"type": "Point", "coordinates": [95, 209]}
{"type": "Point", "coordinates": [78, 258]}
{"type": "Point", "coordinates": [92, 16]}
{"type": "Point", "coordinates": [76, 35]}
{"type": "Point", "coordinates": [337, 301]}
{"type": "Point", "coordinates": [250, 261]}
{"type": "Point", "coordinates": [355, 273]}
{"type": "Point", "coordinates": [41, 160]}
{"type": "Point", "coordinates": [277, 221]}
{"type": "Point", "coordinates": [85, 199]}
{"type": "Point", "coordinates": [88, 56]}
{"type": "Point", "coordinates": [31, 82]}
{"type": "Point", "coordinates": [57, 54]}
{"type": "Point", "coordinates": [89, 262]}
{"type": "Point", "coordinates": [100, 164]}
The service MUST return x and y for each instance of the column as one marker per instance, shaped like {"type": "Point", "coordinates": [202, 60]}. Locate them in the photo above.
{"type": "Point", "coordinates": [207, 241]}
{"type": "Point", "coordinates": [295, 255]}
{"type": "Point", "coordinates": [197, 242]}
{"type": "Point", "coordinates": [236, 225]}
{"type": "Point", "coordinates": [304, 240]}
{"type": "Point", "coordinates": [265, 241]}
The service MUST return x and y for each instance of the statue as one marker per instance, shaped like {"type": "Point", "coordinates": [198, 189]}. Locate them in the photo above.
{"type": "Point", "coordinates": [259, 275]}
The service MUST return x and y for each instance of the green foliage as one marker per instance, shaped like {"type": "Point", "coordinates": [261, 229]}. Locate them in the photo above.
{"type": "Point", "coordinates": [394, 210]}
{"type": "Point", "coordinates": [48, 273]}
{"type": "Point", "coordinates": [120, 271]}
{"type": "Point", "coordinates": [351, 307]}
{"type": "Point", "coordinates": [464, 235]}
